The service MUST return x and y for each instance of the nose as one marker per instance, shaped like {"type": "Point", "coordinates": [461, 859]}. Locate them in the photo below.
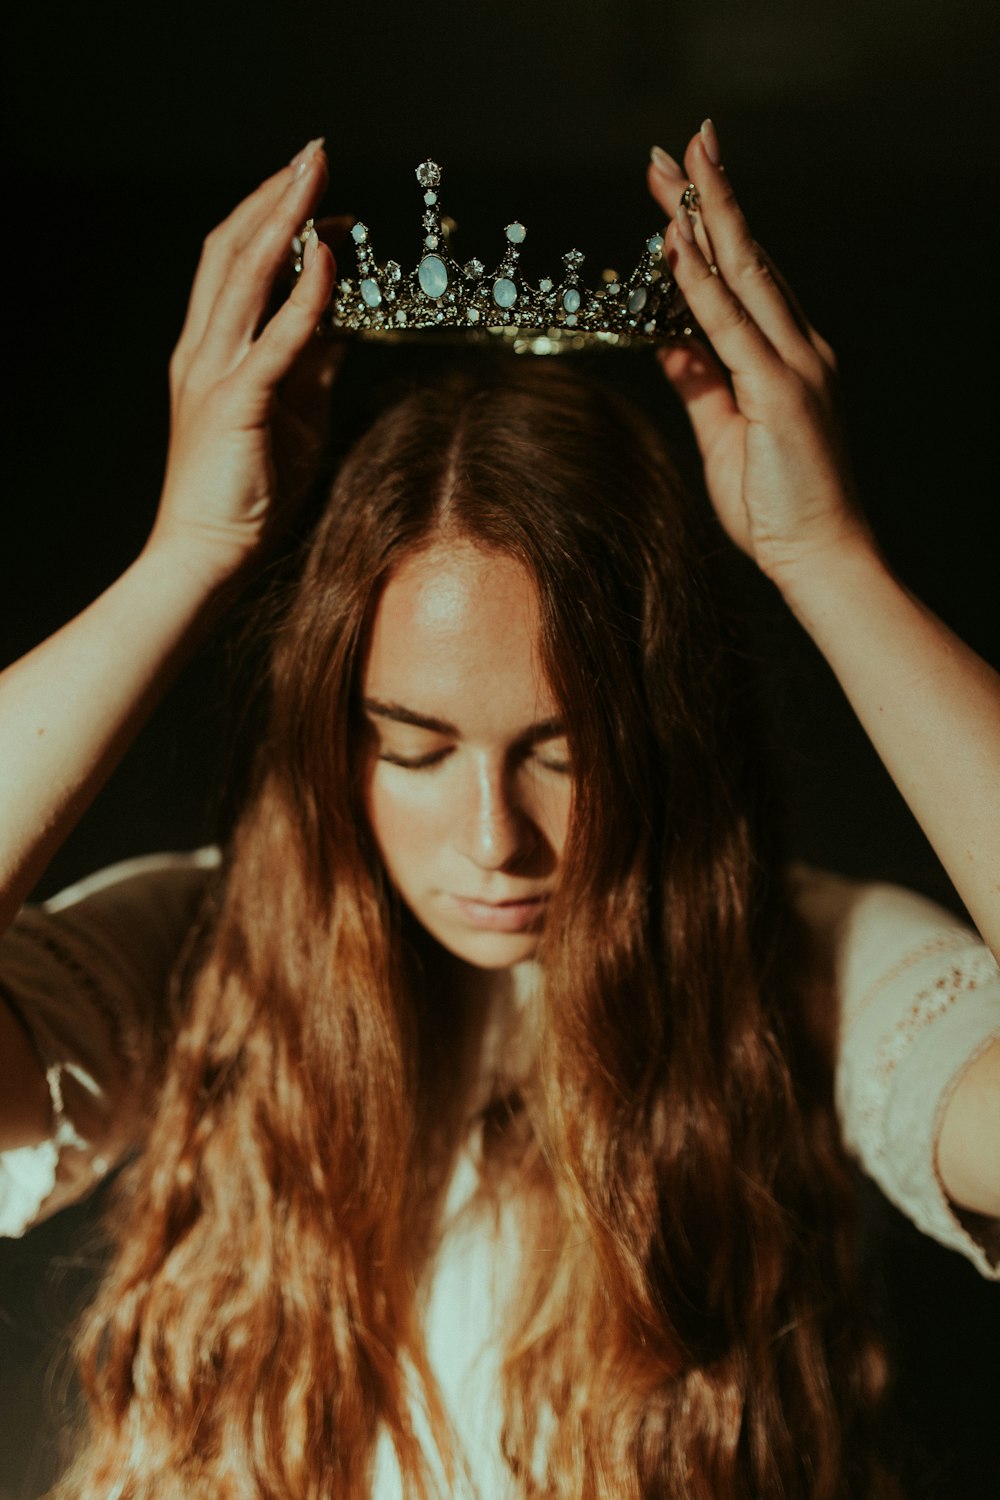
{"type": "Point", "coordinates": [494, 832]}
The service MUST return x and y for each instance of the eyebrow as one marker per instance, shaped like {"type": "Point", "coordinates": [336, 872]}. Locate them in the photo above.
{"type": "Point", "coordinates": [545, 729]}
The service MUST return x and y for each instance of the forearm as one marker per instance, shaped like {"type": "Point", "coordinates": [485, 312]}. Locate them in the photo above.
{"type": "Point", "coordinates": [929, 704]}
{"type": "Point", "coordinates": [71, 707]}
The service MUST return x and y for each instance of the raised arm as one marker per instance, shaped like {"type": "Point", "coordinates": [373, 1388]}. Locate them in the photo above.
{"type": "Point", "coordinates": [762, 405]}
{"type": "Point", "coordinates": [238, 459]}
{"type": "Point", "coordinates": [71, 707]}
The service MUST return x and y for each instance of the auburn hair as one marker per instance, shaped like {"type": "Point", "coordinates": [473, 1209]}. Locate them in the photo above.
{"type": "Point", "coordinates": [687, 1322]}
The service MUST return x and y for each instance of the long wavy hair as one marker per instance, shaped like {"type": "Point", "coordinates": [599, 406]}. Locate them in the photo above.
{"type": "Point", "coordinates": [686, 1322]}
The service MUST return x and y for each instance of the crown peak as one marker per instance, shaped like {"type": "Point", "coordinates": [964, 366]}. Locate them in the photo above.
{"type": "Point", "coordinates": [443, 298]}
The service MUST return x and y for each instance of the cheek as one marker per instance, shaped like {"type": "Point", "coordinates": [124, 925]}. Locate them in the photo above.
{"type": "Point", "coordinates": [407, 828]}
{"type": "Point", "coordinates": [555, 813]}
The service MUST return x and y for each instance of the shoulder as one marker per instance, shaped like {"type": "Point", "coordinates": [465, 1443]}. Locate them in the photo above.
{"type": "Point", "coordinates": [85, 982]}
{"type": "Point", "coordinates": [913, 998]}
{"type": "Point", "coordinates": [873, 934]}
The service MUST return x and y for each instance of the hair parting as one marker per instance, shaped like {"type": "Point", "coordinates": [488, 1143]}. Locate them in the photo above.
{"type": "Point", "coordinates": [686, 1321]}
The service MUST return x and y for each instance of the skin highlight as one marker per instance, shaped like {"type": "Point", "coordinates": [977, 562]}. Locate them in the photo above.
{"type": "Point", "coordinates": [470, 824]}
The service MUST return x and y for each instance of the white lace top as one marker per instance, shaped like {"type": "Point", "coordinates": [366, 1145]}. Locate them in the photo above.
{"type": "Point", "coordinates": [918, 999]}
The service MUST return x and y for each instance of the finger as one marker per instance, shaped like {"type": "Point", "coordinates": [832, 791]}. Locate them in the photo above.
{"type": "Point", "coordinates": [700, 382]}
{"type": "Point", "coordinates": [819, 343]}
{"type": "Point", "coordinates": [745, 269]}
{"type": "Point", "coordinates": [287, 334]}
{"type": "Point", "coordinates": [668, 182]}
{"type": "Point", "coordinates": [306, 388]}
{"type": "Point", "coordinates": [735, 336]}
{"type": "Point", "coordinates": [223, 243]}
{"type": "Point", "coordinates": [666, 179]}
{"type": "Point", "coordinates": [243, 297]}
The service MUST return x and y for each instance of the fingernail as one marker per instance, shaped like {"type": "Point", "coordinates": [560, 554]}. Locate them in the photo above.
{"type": "Point", "coordinates": [710, 140]}
{"type": "Point", "coordinates": [684, 223]}
{"type": "Point", "coordinates": [664, 162]}
{"type": "Point", "coordinates": [305, 156]}
{"type": "Point", "coordinates": [310, 247]}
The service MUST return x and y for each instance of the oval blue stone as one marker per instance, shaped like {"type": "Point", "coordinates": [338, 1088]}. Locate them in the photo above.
{"type": "Point", "coordinates": [504, 292]}
{"type": "Point", "coordinates": [637, 301]}
{"type": "Point", "coordinates": [370, 293]}
{"type": "Point", "coordinates": [571, 300]}
{"type": "Point", "coordinates": [432, 273]}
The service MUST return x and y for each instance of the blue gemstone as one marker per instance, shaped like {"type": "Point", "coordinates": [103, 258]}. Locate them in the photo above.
{"type": "Point", "coordinates": [370, 293]}
{"type": "Point", "coordinates": [432, 273]}
{"type": "Point", "coordinates": [655, 244]}
{"type": "Point", "coordinates": [515, 233]}
{"type": "Point", "coordinates": [571, 300]}
{"type": "Point", "coordinates": [359, 233]}
{"type": "Point", "coordinates": [637, 301]}
{"type": "Point", "coordinates": [504, 292]}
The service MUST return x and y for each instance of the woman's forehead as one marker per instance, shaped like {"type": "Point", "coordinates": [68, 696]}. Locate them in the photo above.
{"type": "Point", "coordinates": [457, 623]}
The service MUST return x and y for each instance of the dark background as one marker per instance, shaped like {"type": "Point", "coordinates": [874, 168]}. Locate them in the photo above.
{"type": "Point", "coordinates": [862, 138]}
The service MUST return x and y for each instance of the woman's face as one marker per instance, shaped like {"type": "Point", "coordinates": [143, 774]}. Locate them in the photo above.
{"type": "Point", "coordinates": [468, 785]}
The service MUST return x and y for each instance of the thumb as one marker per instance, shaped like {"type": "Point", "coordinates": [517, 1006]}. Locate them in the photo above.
{"type": "Point", "coordinates": [702, 385]}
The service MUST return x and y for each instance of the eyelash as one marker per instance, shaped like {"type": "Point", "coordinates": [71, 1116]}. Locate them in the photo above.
{"type": "Point", "coordinates": [437, 757]}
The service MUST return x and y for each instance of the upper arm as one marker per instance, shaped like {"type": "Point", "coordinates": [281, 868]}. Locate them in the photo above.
{"type": "Point", "coordinates": [917, 1012]}
{"type": "Point", "coordinates": [85, 979]}
{"type": "Point", "coordinates": [968, 1147]}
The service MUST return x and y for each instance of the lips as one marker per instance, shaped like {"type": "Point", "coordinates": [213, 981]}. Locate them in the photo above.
{"type": "Point", "coordinates": [498, 916]}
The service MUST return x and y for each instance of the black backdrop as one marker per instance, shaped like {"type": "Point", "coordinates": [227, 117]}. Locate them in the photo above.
{"type": "Point", "coordinates": [863, 141]}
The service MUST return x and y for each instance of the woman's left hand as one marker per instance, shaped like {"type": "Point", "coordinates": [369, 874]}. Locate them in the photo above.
{"type": "Point", "coordinates": [762, 401]}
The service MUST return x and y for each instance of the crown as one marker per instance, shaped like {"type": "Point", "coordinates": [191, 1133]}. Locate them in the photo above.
{"type": "Point", "coordinates": [442, 298]}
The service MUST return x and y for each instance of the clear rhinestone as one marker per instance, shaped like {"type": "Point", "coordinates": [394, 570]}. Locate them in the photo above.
{"type": "Point", "coordinates": [429, 174]}
{"type": "Point", "coordinates": [545, 285]}
{"type": "Point", "coordinates": [474, 268]}
{"type": "Point", "coordinates": [515, 233]}
{"type": "Point", "coordinates": [430, 198]}
{"type": "Point", "coordinates": [439, 317]}
{"type": "Point", "coordinates": [430, 219]}
{"type": "Point", "coordinates": [573, 259]}
{"type": "Point", "coordinates": [359, 233]}
{"type": "Point", "coordinates": [392, 270]}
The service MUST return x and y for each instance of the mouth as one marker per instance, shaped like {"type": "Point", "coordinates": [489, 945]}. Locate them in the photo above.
{"type": "Point", "coordinates": [499, 916]}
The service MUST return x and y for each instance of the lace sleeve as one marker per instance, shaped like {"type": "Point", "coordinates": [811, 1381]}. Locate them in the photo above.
{"type": "Point", "coordinates": [87, 975]}
{"type": "Point", "coordinates": [919, 1001]}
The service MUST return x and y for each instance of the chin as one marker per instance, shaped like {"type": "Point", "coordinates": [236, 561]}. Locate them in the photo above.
{"type": "Point", "coordinates": [489, 950]}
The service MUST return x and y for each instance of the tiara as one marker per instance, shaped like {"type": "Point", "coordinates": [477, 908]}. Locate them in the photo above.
{"type": "Point", "coordinates": [439, 297]}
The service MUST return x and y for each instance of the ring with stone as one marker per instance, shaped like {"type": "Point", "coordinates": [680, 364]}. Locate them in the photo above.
{"type": "Point", "coordinates": [691, 198]}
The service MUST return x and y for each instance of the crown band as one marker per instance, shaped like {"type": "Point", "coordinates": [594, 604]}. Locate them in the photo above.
{"type": "Point", "coordinates": [442, 299]}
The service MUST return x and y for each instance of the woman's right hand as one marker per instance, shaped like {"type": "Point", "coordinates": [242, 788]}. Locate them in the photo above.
{"type": "Point", "coordinates": [249, 394]}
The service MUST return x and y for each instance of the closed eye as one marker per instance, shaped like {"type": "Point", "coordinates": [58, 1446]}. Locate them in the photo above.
{"type": "Point", "coordinates": [416, 763]}
{"type": "Point", "coordinates": [552, 763]}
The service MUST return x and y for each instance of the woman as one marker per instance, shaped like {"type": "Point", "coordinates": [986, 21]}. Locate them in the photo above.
{"type": "Point", "coordinates": [490, 1140]}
